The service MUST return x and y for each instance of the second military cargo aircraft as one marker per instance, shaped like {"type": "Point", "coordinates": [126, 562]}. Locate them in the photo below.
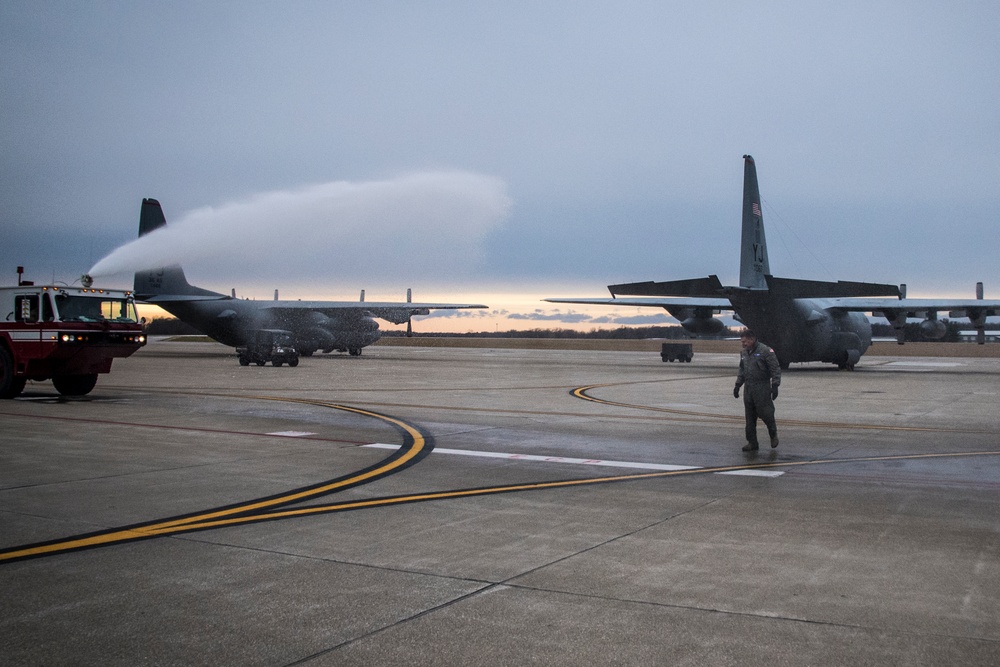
{"type": "Point", "coordinates": [803, 320]}
{"type": "Point", "coordinates": [345, 326]}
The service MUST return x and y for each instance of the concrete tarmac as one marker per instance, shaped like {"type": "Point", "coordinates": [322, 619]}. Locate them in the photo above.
{"type": "Point", "coordinates": [556, 507]}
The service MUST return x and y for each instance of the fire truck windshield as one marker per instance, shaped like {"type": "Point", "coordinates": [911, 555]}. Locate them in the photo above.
{"type": "Point", "coordinates": [95, 309]}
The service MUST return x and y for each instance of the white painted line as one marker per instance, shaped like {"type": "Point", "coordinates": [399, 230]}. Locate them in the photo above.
{"type": "Point", "coordinates": [586, 462]}
{"type": "Point", "coordinates": [291, 434]}
{"type": "Point", "coordinates": [925, 364]}
{"type": "Point", "coordinates": [754, 473]}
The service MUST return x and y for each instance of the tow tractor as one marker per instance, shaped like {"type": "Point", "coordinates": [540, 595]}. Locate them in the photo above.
{"type": "Point", "coordinates": [67, 334]}
{"type": "Point", "coordinates": [274, 345]}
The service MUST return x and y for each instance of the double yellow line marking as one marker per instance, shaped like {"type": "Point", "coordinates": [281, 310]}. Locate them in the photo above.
{"type": "Point", "coordinates": [416, 444]}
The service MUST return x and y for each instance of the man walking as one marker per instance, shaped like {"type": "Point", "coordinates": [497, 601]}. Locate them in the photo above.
{"type": "Point", "coordinates": [761, 372]}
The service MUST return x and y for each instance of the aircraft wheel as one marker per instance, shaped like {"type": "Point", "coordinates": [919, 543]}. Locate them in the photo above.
{"type": "Point", "coordinates": [355, 351]}
{"type": "Point", "coordinates": [244, 360]}
{"type": "Point", "coordinates": [293, 362]}
{"type": "Point", "coordinates": [75, 385]}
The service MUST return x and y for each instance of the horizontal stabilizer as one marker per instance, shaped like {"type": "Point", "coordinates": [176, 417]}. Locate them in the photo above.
{"type": "Point", "coordinates": [817, 289]}
{"type": "Point", "coordinates": [696, 287]}
{"type": "Point", "coordinates": [177, 298]}
{"type": "Point", "coordinates": [716, 304]}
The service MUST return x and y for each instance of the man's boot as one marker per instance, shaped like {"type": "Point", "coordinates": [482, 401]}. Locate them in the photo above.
{"type": "Point", "coordinates": [750, 447]}
{"type": "Point", "coordinates": [774, 441]}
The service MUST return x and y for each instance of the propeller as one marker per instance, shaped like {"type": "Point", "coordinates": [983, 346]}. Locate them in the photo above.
{"type": "Point", "coordinates": [409, 319]}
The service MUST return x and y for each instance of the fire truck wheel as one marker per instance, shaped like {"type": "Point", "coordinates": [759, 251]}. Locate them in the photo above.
{"type": "Point", "coordinates": [74, 385]}
{"type": "Point", "coordinates": [10, 386]}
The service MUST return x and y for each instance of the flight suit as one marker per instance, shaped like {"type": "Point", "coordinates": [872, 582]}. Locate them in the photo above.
{"type": "Point", "coordinates": [761, 372]}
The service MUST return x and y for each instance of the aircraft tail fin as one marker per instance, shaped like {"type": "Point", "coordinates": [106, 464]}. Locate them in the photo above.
{"type": "Point", "coordinates": [753, 255]}
{"type": "Point", "coordinates": [167, 283]}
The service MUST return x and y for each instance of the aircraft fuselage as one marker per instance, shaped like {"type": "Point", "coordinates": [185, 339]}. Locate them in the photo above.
{"type": "Point", "coordinates": [802, 330]}
{"type": "Point", "coordinates": [232, 321]}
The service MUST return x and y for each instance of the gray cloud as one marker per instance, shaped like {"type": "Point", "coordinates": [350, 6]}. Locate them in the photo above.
{"type": "Point", "coordinates": [618, 129]}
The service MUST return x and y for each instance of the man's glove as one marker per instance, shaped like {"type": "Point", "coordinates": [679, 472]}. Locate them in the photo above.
{"type": "Point", "coordinates": [774, 391]}
{"type": "Point", "coordinates": [736, 391]}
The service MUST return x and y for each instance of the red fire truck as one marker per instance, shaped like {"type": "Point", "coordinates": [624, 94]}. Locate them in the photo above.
{"type": "Point", "coordinates": [66, 334]}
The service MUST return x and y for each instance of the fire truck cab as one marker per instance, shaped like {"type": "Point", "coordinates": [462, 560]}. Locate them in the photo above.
{"type": "Point", "coordinates": [66, 334]}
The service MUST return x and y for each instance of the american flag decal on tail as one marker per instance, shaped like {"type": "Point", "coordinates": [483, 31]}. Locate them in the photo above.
{"type": "Point", "coordinates": [756, 209]}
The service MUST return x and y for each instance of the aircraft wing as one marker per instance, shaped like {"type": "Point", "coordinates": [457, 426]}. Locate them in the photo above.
{"type": "Point", "coordinates": [396, 312]}
{"type": "Point", "coordinates": [892, 308]}
{"type": "Point", "coordinates": [714, 303]}
{"type": "Point", "coordinates": [174, 298]}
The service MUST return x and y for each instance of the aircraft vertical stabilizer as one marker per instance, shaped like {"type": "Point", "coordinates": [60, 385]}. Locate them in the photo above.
{"type": "Point", "coordinates": [166, 281]}
{"type": "Point", "coordinates": [753, 254]}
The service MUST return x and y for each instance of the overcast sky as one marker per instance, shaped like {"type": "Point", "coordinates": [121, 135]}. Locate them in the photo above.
{"type": "Point", "coordinates": [610, 137]}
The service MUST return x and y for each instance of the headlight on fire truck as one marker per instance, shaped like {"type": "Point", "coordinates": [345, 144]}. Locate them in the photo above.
{"type": "Point", "coordinates": [73, 338]}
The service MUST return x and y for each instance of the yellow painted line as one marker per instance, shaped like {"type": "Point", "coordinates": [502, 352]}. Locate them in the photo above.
{"type": "Point", "coordinates": [167, 527]}
{"type": "Point", "coordinates": [256, 511]}
{"type": "Point", "coordinates": [418, 446]}
{"type": "Point", "coordinates": [581, 393]}
{"type": "Point", "coordinates": [467, 493]}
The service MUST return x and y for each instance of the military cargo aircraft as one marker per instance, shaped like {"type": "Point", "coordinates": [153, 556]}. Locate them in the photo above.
{"type": "Point", "coordinates": [345, 326]}
{"type": "Point", "coordinates": [803, 320]}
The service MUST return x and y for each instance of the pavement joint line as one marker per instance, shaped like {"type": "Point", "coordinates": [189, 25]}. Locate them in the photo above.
{"type": "Point", "coordinates": [394, 624]}
{"type": "Point", "coordinates": [172, 427]}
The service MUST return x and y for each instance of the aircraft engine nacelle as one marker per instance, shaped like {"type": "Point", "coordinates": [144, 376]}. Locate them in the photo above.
{"type": "Point", "coordinates": [933, 329]}
{"type": "Point", "coordinates": [319, 319]}
{"type": "Point", "coordinates": [697, 320]}
{"type": "Point", "coordinates": [319, 337]}
{"type": "Point", "coordinates": [703, 326]}
{"type": "Point", "coordinates": [347, 339]}
{"type": "Point", "coordinates": [401, 315]}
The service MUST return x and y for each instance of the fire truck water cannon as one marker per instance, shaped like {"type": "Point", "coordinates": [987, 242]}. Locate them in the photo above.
{"type": "Point", "coordinates": [68, 335]}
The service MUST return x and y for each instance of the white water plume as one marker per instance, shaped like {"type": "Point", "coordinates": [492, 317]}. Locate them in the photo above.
{"type": "Point", "coordinates": [426, 224]}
